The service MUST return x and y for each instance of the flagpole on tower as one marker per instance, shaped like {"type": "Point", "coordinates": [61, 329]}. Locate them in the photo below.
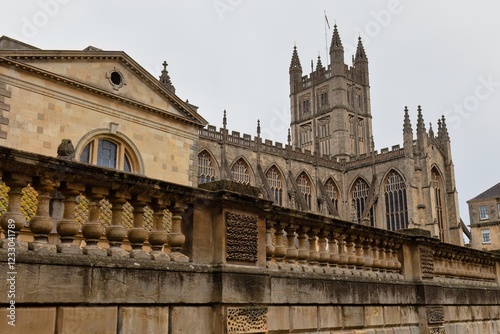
{"type": "Point", "coordinates": [327, 24]}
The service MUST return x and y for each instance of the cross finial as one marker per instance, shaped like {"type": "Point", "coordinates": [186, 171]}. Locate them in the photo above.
{"type": "Point", "coordinates": [164, 65]}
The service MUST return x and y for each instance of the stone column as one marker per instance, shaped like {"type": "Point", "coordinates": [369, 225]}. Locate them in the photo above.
{"type": "Point", "coordinates": [41, 225]}
{"type": "Point", "coordinates": [68, 227]}
{"type": "Point", "coordinates": [14, 220]}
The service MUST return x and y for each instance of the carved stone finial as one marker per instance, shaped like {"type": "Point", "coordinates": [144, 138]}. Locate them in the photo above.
{"type": "Point", "coordinates": [65, 150]}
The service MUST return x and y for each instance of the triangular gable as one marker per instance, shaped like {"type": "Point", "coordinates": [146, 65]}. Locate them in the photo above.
{"type": "Point", "coordinates": [7, 43]}
{"type": "Point", "coordinates": [113, 72]}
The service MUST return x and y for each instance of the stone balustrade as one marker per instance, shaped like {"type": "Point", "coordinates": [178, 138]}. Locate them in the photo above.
{"type": "Point", "coordinates": [283, 239]}
{"type": "Point", "coordinates": [144, 253]}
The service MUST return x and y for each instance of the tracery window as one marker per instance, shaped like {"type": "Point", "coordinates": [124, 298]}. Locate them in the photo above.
{"type": "Point", "coordinates": [240, 172]}
{"type": "Point", "coordinates": [205, 168]}
{"type": "Point", "coordinates": [437, 187]}
{"type": "Point", "coordinates": [359, 199]}
{"type": "Point", "coordinates": [275, 182]}
{"type": "Point", "coordinates": [396, 208]}
{"type": "Point", "coordinates": [304, 185]}
{"type": "Point", "coordinates": [332, 192]}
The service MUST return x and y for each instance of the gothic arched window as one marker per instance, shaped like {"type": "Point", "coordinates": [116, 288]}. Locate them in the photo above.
{"type": "Point", "coordinates": [396, 208]}
{"type": "Point", "coordinates": [332, 192]}
{"type": "Point", "coordinates": [205, 168]}
{"type": "Point", "coordinates": [359, 198]}
{"type": "Point", "coordinates": [437, 193]}
{"type": "Point", "coordinates": [275, 182]}
{"type": "Point", "coordinates": [305, 188]}
{"type": "Point", "coordinates": [240, 172]}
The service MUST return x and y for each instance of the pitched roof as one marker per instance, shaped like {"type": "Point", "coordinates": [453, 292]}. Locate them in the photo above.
{"type": "Point", "coordinates": [7, 43]}
{"type": "Point", "coordinates": [493, 192]}
{"type": "Point", "coordinates": [18, 57]}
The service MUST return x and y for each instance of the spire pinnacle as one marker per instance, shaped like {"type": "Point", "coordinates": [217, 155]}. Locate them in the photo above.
{"type": "Point", "coordinates": [443, 130]}
{"type": "Point", "coordinates": [420, 121]}
{"type": "Point", "coordinates": [319, 65]}
{"type": "Point", "coordinates": [258, 127]}
{"type": "Point", "coordinates": [289, 138]}
{"type": "Point", "coordinates": [165, 78]}
{"type": "Point", "coordinates": [224, 119]}
{"type": "Point", "coordinates": [407, 124]}
{"type": "Point", "coordinates": [295, 63]}
{"type": "Point", "coordinates": [336, 41]}
{"type": "Point", "coordinates": [360, 51]}
{"type": "Point", "coordinates": [431, 131]}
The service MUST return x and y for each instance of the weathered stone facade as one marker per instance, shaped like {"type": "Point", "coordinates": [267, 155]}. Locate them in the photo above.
{"type": "Point", "coordinates": [333, 168]}
{"type": "Point", "coordinates": [48, 96]}
{"type": "Point", "coordinates": [330, 276]}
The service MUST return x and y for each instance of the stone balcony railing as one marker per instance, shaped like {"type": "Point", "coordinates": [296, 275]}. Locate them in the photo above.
{"type": "Point", "coordinates": [244, 228]}
{"type": "Point", "coordinates": [139, 253]}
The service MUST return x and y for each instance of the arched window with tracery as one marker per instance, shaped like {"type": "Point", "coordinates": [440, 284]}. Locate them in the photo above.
{"type": "Point", "coordinates": [437, 193]}
{"type": "Point", "coordinates": [275, 181]}
{"type": "Point", "coordinates": [206, 171]}
{"type": "Point", "coordinates": [396, 208]}
{"type": "Point", "coordinates": [305, 187]}
{"type": "Point", "coordinates": [111, 152]}
{"type": "Point", "coordinates": [332, 192]}
{"type": "Point", "coordinates": [359, 196]}
{"type": "Point", "coordinates": [240, 172]}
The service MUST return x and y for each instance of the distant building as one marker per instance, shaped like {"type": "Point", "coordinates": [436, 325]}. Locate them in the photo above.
{"type": "Point", "coordinates": [117, 115]}
{"type": "Point", "coordinates": [484, 212]}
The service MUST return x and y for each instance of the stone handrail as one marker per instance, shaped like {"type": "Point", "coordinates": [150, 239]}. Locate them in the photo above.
{"type": "Point", "coordinates": [219, 223]}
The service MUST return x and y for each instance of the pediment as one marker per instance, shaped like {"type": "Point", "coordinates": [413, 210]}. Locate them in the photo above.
{"type": "Point", "coordinates": [114, 73]}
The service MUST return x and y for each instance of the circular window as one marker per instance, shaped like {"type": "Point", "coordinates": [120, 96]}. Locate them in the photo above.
{"type": "Point", "coordinates": [116, 78]}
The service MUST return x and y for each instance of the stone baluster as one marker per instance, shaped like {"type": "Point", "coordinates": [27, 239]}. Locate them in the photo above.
{"type": "Point", "coordinates": [390, 265]}
{"type": "Point", "coordinates": [116, 232]}
{"type": "Point", "coordinates": [381, 255]}
{"type": "Point", "coordinates": [324, 255]}
{"type": "Point", "coordinates": [176, 238]}
{"type": "Point", "coordinates": [334, 250]}
{"type": "Point", "coordinates": [351, 256]}
{"type": "Point", "coordinates": [367, 252]}
{"type": "Point", "coordinates": [375, 254]}
{"type": "Point", "coordinates": [42, 224]}
{"type": "Point", "coordinates": [14, 220]}
{"type": "Point", "coordinates": [137, 235]}
{"type": "Point", "coordinates": [68, 227]}
{"type": "Point", "coordinates": [395, 257]}
{"type": "Point", "coordinates": [291, 251]}
{"type": "Point", "coordinates": [303, 251]}
{"type": "Point", "coordinates": [342, 251]}
{"type": "Point", "coordinates": [279, 249]}
{"type": "Point", "coordinates": [270, 249]}
{"type": "Point", "coordinates": [93, 230]}
{"type": "Point", "coordinates": [313, 252]}
{"type": "Point", "coordinates": [358, 251]}
{"type": "Point", "coordinates": [158, 237]}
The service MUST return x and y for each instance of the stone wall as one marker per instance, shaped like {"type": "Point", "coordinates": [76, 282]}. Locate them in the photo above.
{"type": "Point", "coordinates": [231, 263]}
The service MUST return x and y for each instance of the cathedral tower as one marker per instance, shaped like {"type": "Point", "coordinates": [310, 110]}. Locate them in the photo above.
{"type": "Point", "coordinates": [330, 108]}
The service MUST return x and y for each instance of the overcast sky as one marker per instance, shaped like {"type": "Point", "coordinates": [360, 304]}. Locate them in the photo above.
{"type": "Point", "coordinates": [235, 54]}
